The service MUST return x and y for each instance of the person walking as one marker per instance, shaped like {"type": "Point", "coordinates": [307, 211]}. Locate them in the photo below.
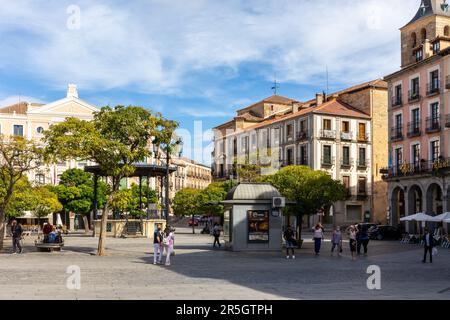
{"type": "Point", "coordinates": [157, 246]}
{"type": "Point", "coordinates": [352, 238]}
{"type": "Point", "coordinates": [216, 234]}
{"type": "Point", "coordinates": [16, 233]}
{"type": "Point", "coordinates": [336, 241]}
{"type": "Point", "coordinates": [168, 244]}
{"type": "Point", "coordinates": [289, 236]}
{"type": "Point", "coordinates": [363, 240]}
{"type": "Point", "coordinates": [428, 245]}
{"type": "Point", "coordinates": [318, 237]}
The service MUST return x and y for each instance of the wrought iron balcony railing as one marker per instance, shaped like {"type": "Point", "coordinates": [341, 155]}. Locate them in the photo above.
{"type": "Point", "coordinates": [433, 124]}
{"type": "Point", "coordinates": [397, 133]}
{"type": "Point", "coordinates": [414, 96]}
{"type": "Point", "coordinates": [414, 129]}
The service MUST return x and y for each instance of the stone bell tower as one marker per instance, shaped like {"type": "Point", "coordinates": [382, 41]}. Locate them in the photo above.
{"type": "Point", "coordinates": [427, 33]}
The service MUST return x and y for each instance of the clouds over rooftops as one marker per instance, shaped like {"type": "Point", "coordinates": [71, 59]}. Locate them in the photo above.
{"type": "Point", "coordinates": [161, 46]}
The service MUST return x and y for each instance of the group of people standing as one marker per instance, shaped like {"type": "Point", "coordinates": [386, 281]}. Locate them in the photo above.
{"type": "Point", "coordinates": [163, 240]}
{"type": "Point", "coordinates": [358, 238]}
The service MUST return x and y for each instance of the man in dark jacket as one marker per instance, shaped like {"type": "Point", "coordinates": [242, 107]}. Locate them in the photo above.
{"type": "Point", "coordinates": [16, 233]}
{"type": "Point", "coordinates": [428, 245]}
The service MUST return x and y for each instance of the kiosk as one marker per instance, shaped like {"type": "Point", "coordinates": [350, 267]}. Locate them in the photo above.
{"type": "Point", "coordinates": [251, 222]}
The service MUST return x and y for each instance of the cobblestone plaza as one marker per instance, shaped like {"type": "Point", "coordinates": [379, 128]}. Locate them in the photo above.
{"type": "Point", "coordinates": [198, 272]}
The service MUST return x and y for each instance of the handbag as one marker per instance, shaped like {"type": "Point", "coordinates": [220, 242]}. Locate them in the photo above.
{"type": "Point", "coordinates": [435, 252]}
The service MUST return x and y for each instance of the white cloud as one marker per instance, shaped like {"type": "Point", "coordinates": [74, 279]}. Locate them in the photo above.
{"type": "Point", "coordinates": [10, 100]}
{"type": "Point", "coordinates": [157, 45]}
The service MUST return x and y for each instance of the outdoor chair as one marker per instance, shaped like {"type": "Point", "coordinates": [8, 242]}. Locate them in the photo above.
{"type": "Point", "coordinates": [405, 239]}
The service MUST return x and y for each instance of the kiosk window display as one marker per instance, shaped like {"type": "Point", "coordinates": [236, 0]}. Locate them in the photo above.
{"type": "Point", "coordinates": [251, 222]}
{"type": "Point", "coordinates": [258, 226]}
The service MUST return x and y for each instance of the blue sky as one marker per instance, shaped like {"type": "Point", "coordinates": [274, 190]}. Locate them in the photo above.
{"type": "Point", "coordinates": [194, 60]}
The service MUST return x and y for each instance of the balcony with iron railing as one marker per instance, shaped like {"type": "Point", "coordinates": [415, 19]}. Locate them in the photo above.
{"type": "Point", "coordinates": [362, 193]}
{"type": "Point", "coordinates": [328, 134]}
{"type": "Point", "coordinates": [346, 163]}
{"type": "Point", "coordinates": [433, 124]}
{"type": "Point", "coordinates": [363, 137]}
{"type": "Point", "coordinates": [414, 96]}
{"type": "Point", "coordinates": [433, 88]}
{"type": "Point", "coordinates": [414, 129]}
{"type": "Point", "coordinates": [423, 167]}
{"type": "Point", "coordinates": [346, 136]}
{"type": "Point", "coordinates": [397, 101]}
{"type": "Point", "coordinates": [396, 133]}
{"type": "Point", "coordinates": [327, 161]}
{"type": "Point", "coordinates": [302, 136]}
{"type": "Point", "coordinates": [363, 163]}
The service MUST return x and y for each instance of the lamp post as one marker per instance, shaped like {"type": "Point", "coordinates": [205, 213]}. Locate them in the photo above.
{"type": "Point", "coordinates": [168, 148]}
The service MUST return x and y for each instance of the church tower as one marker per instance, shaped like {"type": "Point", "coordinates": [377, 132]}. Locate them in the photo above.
{"type": "Point", "coordinates": [427, 33]}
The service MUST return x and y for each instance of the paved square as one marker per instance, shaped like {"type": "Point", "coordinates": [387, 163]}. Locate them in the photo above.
{"type": "Point", "coordinates": [198, 272]}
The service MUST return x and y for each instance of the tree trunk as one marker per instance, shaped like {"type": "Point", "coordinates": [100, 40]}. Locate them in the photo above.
{"type": "Point", "coordinates": [299, 227]}
{"type": "Point", "coordinates": [86, 225]}
{"type": "Point", "coordinates": [2, 228]}
{"type": "Point", "coordinates": [102, 238]}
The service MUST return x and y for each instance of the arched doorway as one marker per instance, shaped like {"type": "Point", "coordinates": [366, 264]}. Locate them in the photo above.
{"type": "Point", "coordinates": [434, 200]}
{"type": "Point", "coordinates": [397, 205]}
{"type": "Point", "coordinates": [415, 205]}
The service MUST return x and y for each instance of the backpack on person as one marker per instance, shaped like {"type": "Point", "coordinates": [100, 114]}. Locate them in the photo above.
{"type": "Point", "coordinates": [166, 240]}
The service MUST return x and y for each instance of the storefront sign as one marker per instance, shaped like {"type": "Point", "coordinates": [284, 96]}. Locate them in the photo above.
{"type": "Point", "coordinates": [258, 226]}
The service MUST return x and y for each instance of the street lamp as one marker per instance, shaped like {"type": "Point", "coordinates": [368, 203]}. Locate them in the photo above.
{"type": "Point", "coordinates": [168, 148]}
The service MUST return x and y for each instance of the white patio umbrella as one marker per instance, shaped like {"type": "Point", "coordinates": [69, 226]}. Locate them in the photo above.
{"type": "Point", "coordinates": [58, 220]}
{"type": "Point", "coordinates": [420, 217]}
{"type": "Point", "coordinates": [441, 217]}
{"type": "Point", "coordinates": [447, 220]}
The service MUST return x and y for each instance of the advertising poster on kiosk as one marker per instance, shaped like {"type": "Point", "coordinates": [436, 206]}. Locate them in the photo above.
{"type": "Point", "coordinates": [258, 226]}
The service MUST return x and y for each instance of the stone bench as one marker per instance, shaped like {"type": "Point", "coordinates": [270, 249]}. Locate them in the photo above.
{"type": "Point", "coordinates": [49, 247]}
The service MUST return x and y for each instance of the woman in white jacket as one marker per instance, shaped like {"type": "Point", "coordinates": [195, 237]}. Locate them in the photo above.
{"type": "Point", "coordinates": [168, 244]}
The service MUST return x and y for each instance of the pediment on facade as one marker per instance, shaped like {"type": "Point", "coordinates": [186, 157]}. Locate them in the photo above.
{"type": "Point", "coordinates": [66, 107]}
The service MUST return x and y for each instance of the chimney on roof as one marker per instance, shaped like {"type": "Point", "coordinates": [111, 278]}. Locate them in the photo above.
{"type": "Point", "coordinates": [320, 99]}
{"type": "Point", "coordinates": [72, 91]}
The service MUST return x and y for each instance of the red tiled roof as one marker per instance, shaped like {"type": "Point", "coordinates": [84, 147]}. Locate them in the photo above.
{"type": "Point", "coordinates": [333, 107]}
{"type": "Point", "coordinates": [19, 108]}
{"type": "Point", "coordinates": [248, 116]}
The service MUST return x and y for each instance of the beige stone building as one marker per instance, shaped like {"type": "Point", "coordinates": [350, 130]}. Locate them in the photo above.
{"type": "Point", "coordinates": [344, 134]}
{"type": "Point", "coordinates": [30, 120]}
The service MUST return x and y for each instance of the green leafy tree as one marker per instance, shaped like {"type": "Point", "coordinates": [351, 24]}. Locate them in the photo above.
{"type": "Point", "coordinates": [115, 140]}
{"type": "Point", "coordinates": [186, 203]}
{"type": "Point", "coordinates": [76, 193]}
{"type": "Point", "coordinates": [17, 157]}
{"type": "Point", "coordinates": [122, 200]}
{"type": "Point", "coordinates": [214, 193]}
{"type": "Point", "coordinates": [136, 198]}
{"type": "Point", "coordinates": [249, 173]}
{"type": "Point", "coordinates": [45, 202]}
{"type": "Point", "coordinates": [22, 200]}
{"type": "Point", "coordinates": [310, 190]}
